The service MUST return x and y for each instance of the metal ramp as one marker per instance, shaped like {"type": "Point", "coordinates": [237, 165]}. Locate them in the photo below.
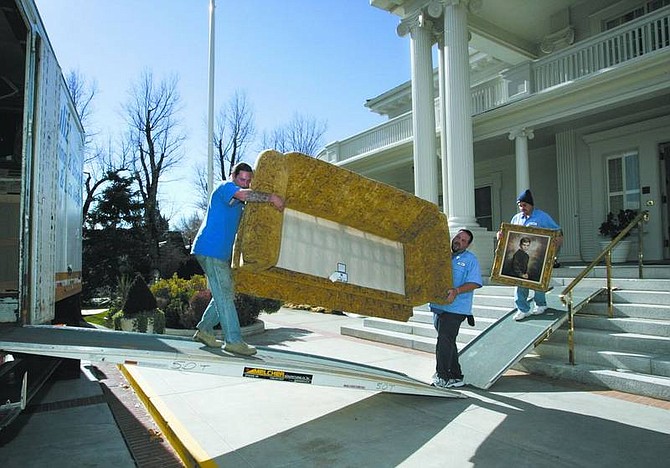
{"type": "Point", "coordinates": [184, 355]}
{"type": "Point", "coordinates": [484, 359]}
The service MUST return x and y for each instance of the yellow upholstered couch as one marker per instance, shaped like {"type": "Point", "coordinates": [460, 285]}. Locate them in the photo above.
{"type": "Point", "coordinates": [344, 242]}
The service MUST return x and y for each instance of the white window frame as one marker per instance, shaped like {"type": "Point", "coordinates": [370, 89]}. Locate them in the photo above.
{"type": "Point", "coordinates": [624, 192]}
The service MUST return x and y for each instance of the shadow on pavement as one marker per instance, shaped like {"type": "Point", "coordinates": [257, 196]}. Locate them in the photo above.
{"type": "Point", "coordinates": [392, 429]}
{"type": "Point", "coordinates": [278, 336]}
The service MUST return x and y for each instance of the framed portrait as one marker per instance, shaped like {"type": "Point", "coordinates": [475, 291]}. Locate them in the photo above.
{"type": "Point", "coordinates": [524, 257]}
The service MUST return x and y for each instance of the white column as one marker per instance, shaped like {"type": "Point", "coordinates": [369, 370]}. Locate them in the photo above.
{"type": "Point", "coordinates": [568, 208]}
{"type": "Point", "coordinates": [460, 165]}
{"type": "Point", "coordinates": [423, 106]}
{"type": "Point", "coordinates": [521, 138]}
{"type": "Point", "coordinates": [444, 154]}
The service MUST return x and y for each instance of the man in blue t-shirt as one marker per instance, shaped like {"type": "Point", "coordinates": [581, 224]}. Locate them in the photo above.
{"type": "Point", "coordinates": [448, 317]}
{"type": "Point", "coordinates": [528, 215]}
{"type": "Point", "coordinates": [213, 247]}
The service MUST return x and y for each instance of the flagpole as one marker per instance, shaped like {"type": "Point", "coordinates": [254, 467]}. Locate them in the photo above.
{"type": "Point", "coordinates": [210, 111]}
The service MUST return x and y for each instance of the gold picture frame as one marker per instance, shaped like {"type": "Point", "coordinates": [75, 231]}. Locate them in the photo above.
{"type": "Point", "coordinates": [524, 257]}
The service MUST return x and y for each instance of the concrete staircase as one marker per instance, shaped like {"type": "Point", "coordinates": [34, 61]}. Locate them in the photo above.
{"type": "Point", "coordinates": [629, 352]}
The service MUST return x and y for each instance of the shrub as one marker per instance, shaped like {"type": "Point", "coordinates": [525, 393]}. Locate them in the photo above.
{"type": "Point", "coordinates": [249, 307]}
{"type": "Point", "coordinates": [615, 223]}
{"type": "Point", "coordinates": [139, 298]}
{"type": "Point", "coordinates": [197, 305]}
{"type": "Point", "coordinates": [141, 320]}
{"type": "Point", "coordinates": [184, 302]}
{"type": "Point", "coordinates": [174, 296]}
{"type": "Point", "coordinates": [140, 306]}
{"type": "Point", "coordinates": [173, 314]}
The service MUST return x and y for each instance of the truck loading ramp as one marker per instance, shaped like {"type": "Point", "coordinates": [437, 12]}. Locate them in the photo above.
{"type": "Point", "coordinates": [486, 358]}
{"type": "Point", "coordinates": [182, 354]}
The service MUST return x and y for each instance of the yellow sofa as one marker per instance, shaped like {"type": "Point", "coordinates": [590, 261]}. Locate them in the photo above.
{"type": "Point", "coordinates": [354, 244]}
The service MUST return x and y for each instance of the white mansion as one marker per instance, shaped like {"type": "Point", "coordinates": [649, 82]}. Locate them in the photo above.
{"type": "Point", "coordinates": [570, 98]}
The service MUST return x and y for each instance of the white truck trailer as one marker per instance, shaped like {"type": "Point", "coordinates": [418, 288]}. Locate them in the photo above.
{"type": "Point", "coordinates": [41, 170]}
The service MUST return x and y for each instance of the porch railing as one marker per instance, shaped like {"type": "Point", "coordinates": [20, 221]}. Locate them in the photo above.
{"type": "Point", "coordinates": [634, 39]}
{"type": "Point", "coordinates": [575, 305]}
{"type": "Point", "coordinates": [611, 48]}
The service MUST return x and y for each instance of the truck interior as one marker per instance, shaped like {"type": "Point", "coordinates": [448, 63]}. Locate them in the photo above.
{"type": "Point", "coordinates": [13, 36]}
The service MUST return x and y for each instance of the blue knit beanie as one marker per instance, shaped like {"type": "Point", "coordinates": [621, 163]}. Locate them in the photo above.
{"type": "Point", "coordinates": [526, 197]}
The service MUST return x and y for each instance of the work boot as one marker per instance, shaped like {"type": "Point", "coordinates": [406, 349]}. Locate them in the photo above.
{"type": "Point", "coordinates": [240, 348]}
{"type": "Point", "coordinates": [207, 339]}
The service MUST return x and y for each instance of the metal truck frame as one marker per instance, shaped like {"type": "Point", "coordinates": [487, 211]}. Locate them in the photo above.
{"type": "Point", "coordinates": [41, 170]}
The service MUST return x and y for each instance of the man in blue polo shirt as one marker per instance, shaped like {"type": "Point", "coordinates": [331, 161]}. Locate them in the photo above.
{"type": "Point", "coordinates": [213, 247]}
{"type": "Point", "coordinates": [448, 317]}
{"type": "Point", "coordinates": [528, 215]}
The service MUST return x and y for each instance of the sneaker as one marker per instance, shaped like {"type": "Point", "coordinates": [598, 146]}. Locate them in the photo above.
{"type": "Point", "coordinates": [537, 310]}
{"type": "Point", "coordinates": [207, 339]}
{"type": "Point", "coordinates": [240, 348]}
{"type": "Point", "coordinates": [455, 383]}
{"type": "Point", "coordinates": [439, 382]}
{"type": "Point", "coordinates": [522, 315]}
{"type": "Point", "coordinates": [435, 380]}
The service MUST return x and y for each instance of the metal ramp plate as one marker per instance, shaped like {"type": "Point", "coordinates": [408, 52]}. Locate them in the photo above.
{"type": "Point", "coordinates": [184, 355]}
{"type": "Point", "coordinates": [484, 359]}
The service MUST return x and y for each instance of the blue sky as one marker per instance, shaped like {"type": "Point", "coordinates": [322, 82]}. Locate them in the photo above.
{"type": "Point", "coordinates": [320, 58]}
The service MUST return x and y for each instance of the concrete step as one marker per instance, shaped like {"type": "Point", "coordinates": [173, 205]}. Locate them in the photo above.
{"type": "Point", "coordinates": [420, 343]}
{"type": "Point", "coordinates": [495, 290]}
{"type": "Point", "coordinates": [420, 326]}
{"type": "Point", "coordinates": [422, 316]}
{"type": "Point", "coordinates": [641, 311]}
{"type": "Point", "coordinates": [630, 352]}
{"type": "Point", "coordinates": [484, 317]}
{"type": "Point", "coordinates": [411, 327]}
{"type": "Point", "coordinates": [625, 381]}
{"type": "Point", "coordinates": [423, 339]}
{"type": "Point", "coordinates": [490, 312]}
{"type": "Point", "coordinates": [621, 283]}
{"type": "Point", "coordinates": [644, 363]}
{"type": "Point", "coordinates": [604, 339]}
{"type": "Point", "coordinates": [494, 301]}
{"type": "Point", "coordinates": [630, 296]}
{"type": "Point", "coordinates": [628, 271]}
{"type": "Point", "coordinates": [623, 324]}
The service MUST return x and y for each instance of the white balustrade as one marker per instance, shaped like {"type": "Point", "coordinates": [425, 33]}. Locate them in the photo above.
{"type": "Point", "coordinates": [644, 35]}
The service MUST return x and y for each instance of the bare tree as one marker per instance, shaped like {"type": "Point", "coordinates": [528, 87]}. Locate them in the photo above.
{"type": "Point", "coordinates": [100, 166]}
{"type": "Point", "coordinates": [235, 129]}
{"type": "Point", "coordinates": [153, 145]}
{"type": "Point", "coordinates": [201, 179]}
{"type": "Point", "coordinates": [83, 93]}
{"type": "Point", "coordinates": [303, 134]}
{"type": "Point", "coordinates": [189, 227]}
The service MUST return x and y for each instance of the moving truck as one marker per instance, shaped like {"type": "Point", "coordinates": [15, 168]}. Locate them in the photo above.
{"type": "Point", "coordinates": [41, 170]}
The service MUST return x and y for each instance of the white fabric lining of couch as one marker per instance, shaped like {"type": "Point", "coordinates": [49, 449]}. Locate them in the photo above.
{"type": "Point", "coordinates": [315, 246]}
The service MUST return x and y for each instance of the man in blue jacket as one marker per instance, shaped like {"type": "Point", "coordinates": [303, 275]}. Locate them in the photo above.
{"type": "Point", "coordinates": [528, 215]}
{"type": "Point", "coordinates": [213, 247]}
{"type": "Point", "coordinates": [448, 317]}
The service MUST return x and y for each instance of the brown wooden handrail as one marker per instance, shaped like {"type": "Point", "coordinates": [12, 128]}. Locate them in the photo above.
{"type": "Point", "coordinates": [566, 294]}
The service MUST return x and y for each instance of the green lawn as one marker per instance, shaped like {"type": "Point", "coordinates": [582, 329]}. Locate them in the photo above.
{"type": "Point", "coordinates": [99, 319]}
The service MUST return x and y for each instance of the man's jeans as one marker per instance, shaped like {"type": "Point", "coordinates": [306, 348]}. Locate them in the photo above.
{"type": "Point", "coordinates": [521, 299]}
{"type": "Point", "coordinates": [221, 308]}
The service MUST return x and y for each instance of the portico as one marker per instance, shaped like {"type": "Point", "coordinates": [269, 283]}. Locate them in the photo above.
{"type": "Point", "coordinates": [525, 106]}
